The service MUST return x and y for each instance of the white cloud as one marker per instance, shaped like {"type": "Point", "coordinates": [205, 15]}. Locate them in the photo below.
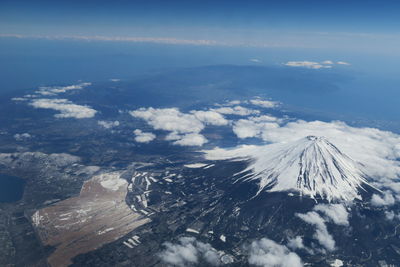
{"type": "Point", "coordinates": [187, 252]}
{"type": "Point", "coordinates": [190, 139]}
{"type": "Point", "coordinates": [307, 64]}
{"type": "Point", "coordinates": [296, 243]}
{"type": "Point", "coordinates": [232, 103]}
{"type": "Point", "coordinates": [265, 118]}
{"type": "Point", "coordinates": [54, 90]}
{"type": "Point", "coordinates": [210, 117]}
{"type": "Point", "coordinates": [18, 99]}
{"type": "Point", "coordinates": [386, 200]}
{"type": "Point", "coordinates": [255, 60]}
{"type": "Point", "coordinates": [264, 103]}
{"type": "Point", "coordinates": [22, 137]}
{"type": "Point", "coordinates": [250, 128]}
{"type": "Point", "coordinates": [246, 128]}
{"type": "Point", "coordinates": [390, 215]}
{"type": "Point", "coordinates": [30, 96]}
{"type": "Point", "coordinates": [236, 110]}
{"type": "Point", "coordinates": [268, 253]}
{"type": "Point", "coordinates": [158, 40]}
{"type": "Point", "coordinates": [169, 119]}
{"type": "Point", "coordinates": [334, 212]}
{"type": "Point", "coordinates": [108, 124]}
{"type": "Point", "coordinates": [143, 137]}
{"type": "Point", "coordinates": [66, 108]}
{"type": "Point", "coordinates": [321, 232]}
{"type": "Point", "coordinates": [184, 128]}
{"type": "Point", "coordinates": [327, 64]}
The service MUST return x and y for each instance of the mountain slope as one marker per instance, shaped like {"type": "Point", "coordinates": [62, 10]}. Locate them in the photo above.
{"type": "Point", "coordinates": [312, 165]}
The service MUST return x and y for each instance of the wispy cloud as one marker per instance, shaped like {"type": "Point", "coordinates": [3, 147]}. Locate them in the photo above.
{"type": "Point", "coordinates": [108, 124]}
{"type": "Point", "coordinates": [255, 60]}
{"type": "Point", "coordinates": [343, 63]}
{"type": "Point", "coordinates": [327, 64]}
{"type": "Point", "coordinates": [258, 38]}
{"type": "Point", "coordinates": [160, 40]}
{"type": "Point", "coordinates": [236, 110]}
{"type": "Point", "coordinates": [22, 136]}
{"type": "Point", "coordinates": [264, 103]}
{"type": "Point", "coordinates": [307, 64]}
{"type": "Point", "coordinates": [55, 90]}
{"type": "Point", "coordinates": [66, 108]}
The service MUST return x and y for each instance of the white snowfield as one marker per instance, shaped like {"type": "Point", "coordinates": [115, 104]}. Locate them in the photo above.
{"type": "Point", "coordinates": [312, 165]}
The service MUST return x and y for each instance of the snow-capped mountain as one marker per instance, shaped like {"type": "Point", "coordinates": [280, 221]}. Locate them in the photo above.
{"type": "Point", "coordinates": [312, 166]}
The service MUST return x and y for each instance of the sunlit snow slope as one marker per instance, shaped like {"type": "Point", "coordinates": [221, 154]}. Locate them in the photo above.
{"type": "Point", "coordinates": [312, 165]}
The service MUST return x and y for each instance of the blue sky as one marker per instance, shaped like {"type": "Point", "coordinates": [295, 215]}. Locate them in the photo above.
{"type": "Point", "coordinates": [341, 25]}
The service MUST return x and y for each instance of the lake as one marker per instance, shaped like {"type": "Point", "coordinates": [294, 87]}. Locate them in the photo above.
{"type": "Point", "coordinates": [11, 188]}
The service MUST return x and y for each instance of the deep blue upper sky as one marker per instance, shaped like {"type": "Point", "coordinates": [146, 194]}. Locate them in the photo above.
{"type": "Point", "coordinates": [349, 25]}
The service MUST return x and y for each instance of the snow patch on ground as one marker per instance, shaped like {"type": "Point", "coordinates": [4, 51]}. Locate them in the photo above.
{"type": "Point", "coordinates": [195, 165]}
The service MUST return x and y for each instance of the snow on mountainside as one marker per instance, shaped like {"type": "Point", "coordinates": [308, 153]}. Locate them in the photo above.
{"type": "Point", "coordinates": [312, 165]}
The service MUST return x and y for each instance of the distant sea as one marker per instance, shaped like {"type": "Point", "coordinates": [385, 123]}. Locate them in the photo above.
{"type": "Point", "coordinates": [370, 93]}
